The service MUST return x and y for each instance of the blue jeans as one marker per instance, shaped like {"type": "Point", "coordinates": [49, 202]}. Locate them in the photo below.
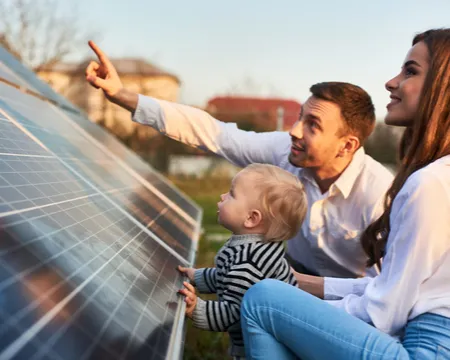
{"type": "Point", "coordinates": [281, 322]}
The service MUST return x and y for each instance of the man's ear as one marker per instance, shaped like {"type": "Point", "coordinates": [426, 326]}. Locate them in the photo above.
{"type": "Point", "coordinates": [254, 219]}
{"type": "Point", "coordinates": [350, 146]}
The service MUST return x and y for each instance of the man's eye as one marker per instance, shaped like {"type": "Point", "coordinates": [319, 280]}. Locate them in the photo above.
{"type": "Point", "coordinates": [312, 124]}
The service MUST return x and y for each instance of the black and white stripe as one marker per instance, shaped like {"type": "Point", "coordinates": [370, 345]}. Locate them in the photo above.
{"type": "Point", "coordinates": [242, 262]}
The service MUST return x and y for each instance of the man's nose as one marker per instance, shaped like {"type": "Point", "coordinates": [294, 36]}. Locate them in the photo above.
{"type": "Point", "coordinates": [297, 130]}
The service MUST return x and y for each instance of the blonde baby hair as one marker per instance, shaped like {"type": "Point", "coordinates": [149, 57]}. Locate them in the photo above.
{"type": "Point", "coordinates": [282, 199]}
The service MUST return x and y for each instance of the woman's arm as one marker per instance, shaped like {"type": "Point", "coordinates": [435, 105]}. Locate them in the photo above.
{"type": "Point", "coordinates": [328, 288]}
{"type": "Point", "coordinates": [311, 284]}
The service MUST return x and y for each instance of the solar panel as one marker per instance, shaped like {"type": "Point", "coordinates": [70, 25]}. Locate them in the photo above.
{"type": "Point", "coordinates": [7, 75]}
{"type": "Point", "coordinates": [90, 240]}
{"type": "Point", "coordinates": [15, 72]}
{"type": "Point", "coordinates": [128, 158]}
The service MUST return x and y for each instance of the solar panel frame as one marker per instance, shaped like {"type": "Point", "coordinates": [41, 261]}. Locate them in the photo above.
{"type": "Point", "coordinates": [9, 76]}
{"type": "Point", "coordinates": [25, 78]}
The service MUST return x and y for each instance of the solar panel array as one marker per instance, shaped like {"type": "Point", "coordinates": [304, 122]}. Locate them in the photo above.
{"type": "Point", "coordinates": [90, 235]}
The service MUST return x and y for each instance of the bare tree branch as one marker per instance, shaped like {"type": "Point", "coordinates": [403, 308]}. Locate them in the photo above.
{"type": "Point", "coordinates": [39, 32]}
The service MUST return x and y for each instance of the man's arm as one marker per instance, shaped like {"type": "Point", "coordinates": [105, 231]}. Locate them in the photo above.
{"type": "Point", "coordinates": [126, 99]}
{"type": "Point", "coordinates": [199, 129]}
{"type": "Point", "coordinates": [189, 125]}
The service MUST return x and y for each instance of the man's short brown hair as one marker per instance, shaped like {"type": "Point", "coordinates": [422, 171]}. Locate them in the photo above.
{"type": "Point", "coordinates": [355, 103]}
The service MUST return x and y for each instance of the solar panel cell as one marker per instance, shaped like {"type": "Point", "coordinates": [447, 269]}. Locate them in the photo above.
{"type": "Point", "coordinates": [90, 237]}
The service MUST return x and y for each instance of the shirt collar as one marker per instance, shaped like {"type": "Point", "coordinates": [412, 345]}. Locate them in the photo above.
{"type": "Point", "coordinates": [236, 240]}
{"type": "Point", "coordinates": [347, 179]}
{"type": "Point", "coordinates": [345, 182]}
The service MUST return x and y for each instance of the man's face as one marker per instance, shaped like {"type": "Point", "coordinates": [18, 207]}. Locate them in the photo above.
{"type": "Point", "coordinates": [317, 135]}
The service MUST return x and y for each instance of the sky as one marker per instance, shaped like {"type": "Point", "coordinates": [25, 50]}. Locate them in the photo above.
{"type": "Point", "coordinates": [261, 47]}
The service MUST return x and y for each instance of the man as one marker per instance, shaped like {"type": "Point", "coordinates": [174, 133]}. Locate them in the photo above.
{"type": "Point", "coordinates": [345, 187]}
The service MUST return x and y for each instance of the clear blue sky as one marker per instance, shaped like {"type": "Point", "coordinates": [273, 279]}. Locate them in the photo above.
{"type": "Point", "coordinates": [276, 48]}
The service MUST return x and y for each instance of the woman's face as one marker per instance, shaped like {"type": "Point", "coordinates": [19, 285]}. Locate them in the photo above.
{"type": "Point", "coordinates": [407, 86]}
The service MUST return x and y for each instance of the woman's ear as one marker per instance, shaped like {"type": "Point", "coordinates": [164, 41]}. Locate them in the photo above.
{"type": "Point", "coordinates": [254, 219]}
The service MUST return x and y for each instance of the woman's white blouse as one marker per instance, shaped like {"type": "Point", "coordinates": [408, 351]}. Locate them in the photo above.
{"type": "Point", "coordinates": [415, 276]}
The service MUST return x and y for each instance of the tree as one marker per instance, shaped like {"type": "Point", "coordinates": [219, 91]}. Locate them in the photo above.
{"type": "Point", "coordinates": [39, 33]}
{"type": "Point", "coordinates": [383, 144]}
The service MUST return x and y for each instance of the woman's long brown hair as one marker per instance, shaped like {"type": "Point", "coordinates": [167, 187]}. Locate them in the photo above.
{"type": "Point", "coordinates": [427, 140]}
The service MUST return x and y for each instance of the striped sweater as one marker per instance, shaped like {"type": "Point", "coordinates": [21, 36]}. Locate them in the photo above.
{"type": "Point", "coordinates": [240, 263]}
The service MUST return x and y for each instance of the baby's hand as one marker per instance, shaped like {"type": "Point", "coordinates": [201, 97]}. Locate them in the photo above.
{"type": "Point", "coordinates": [189, 272]}
{"type": "Point", "coordinates": [190, 298]}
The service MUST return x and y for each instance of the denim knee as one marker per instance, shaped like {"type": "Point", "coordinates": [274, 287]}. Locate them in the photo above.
{"type": "Point", "coordinates": [261, 290]}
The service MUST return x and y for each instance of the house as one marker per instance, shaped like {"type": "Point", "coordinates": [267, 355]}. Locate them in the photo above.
{"type": "Point", "coordinates": [136, 74]}
{"type": "Point", "coordinates": [251, 113]}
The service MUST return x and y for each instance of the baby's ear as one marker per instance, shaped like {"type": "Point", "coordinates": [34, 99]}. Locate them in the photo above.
{"type": "Point", "coordinates": [254, 219]}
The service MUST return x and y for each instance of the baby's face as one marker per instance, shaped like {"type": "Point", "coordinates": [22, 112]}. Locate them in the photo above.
{"type": "Point", "coordinates": [235, 206]}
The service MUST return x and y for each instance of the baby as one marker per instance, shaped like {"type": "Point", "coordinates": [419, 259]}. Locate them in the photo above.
{"type": "Point", "coordinates": [265, 206]}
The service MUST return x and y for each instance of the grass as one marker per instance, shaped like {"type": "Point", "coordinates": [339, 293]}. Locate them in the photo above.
{"type": "Point", "coordinates": [201, 344]}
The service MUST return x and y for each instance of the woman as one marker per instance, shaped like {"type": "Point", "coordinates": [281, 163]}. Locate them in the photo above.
{"type": "Point", "coordinates": [405, 311]}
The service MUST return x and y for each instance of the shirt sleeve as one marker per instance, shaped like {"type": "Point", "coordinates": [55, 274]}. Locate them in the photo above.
{"type": "Point", "coordinates": [220, 315]}
{"type": "Point", "coordinates": [205, 280]}
{"type": "Point", "coordinates": [419, 235]}
{"type": "Point", "coordinates": [338, 288]}
{"type": "Point", "coordinates": [197, 128]}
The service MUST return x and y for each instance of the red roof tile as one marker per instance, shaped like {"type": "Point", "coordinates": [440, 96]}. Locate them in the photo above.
{"type": "Point", "coordinates": [264, 109]}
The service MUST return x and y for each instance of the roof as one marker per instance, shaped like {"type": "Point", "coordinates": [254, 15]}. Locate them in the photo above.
{"type": "Point", "coordinates": [242, 104]}
{"type": "Point", "coordinates": [124, 66]}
